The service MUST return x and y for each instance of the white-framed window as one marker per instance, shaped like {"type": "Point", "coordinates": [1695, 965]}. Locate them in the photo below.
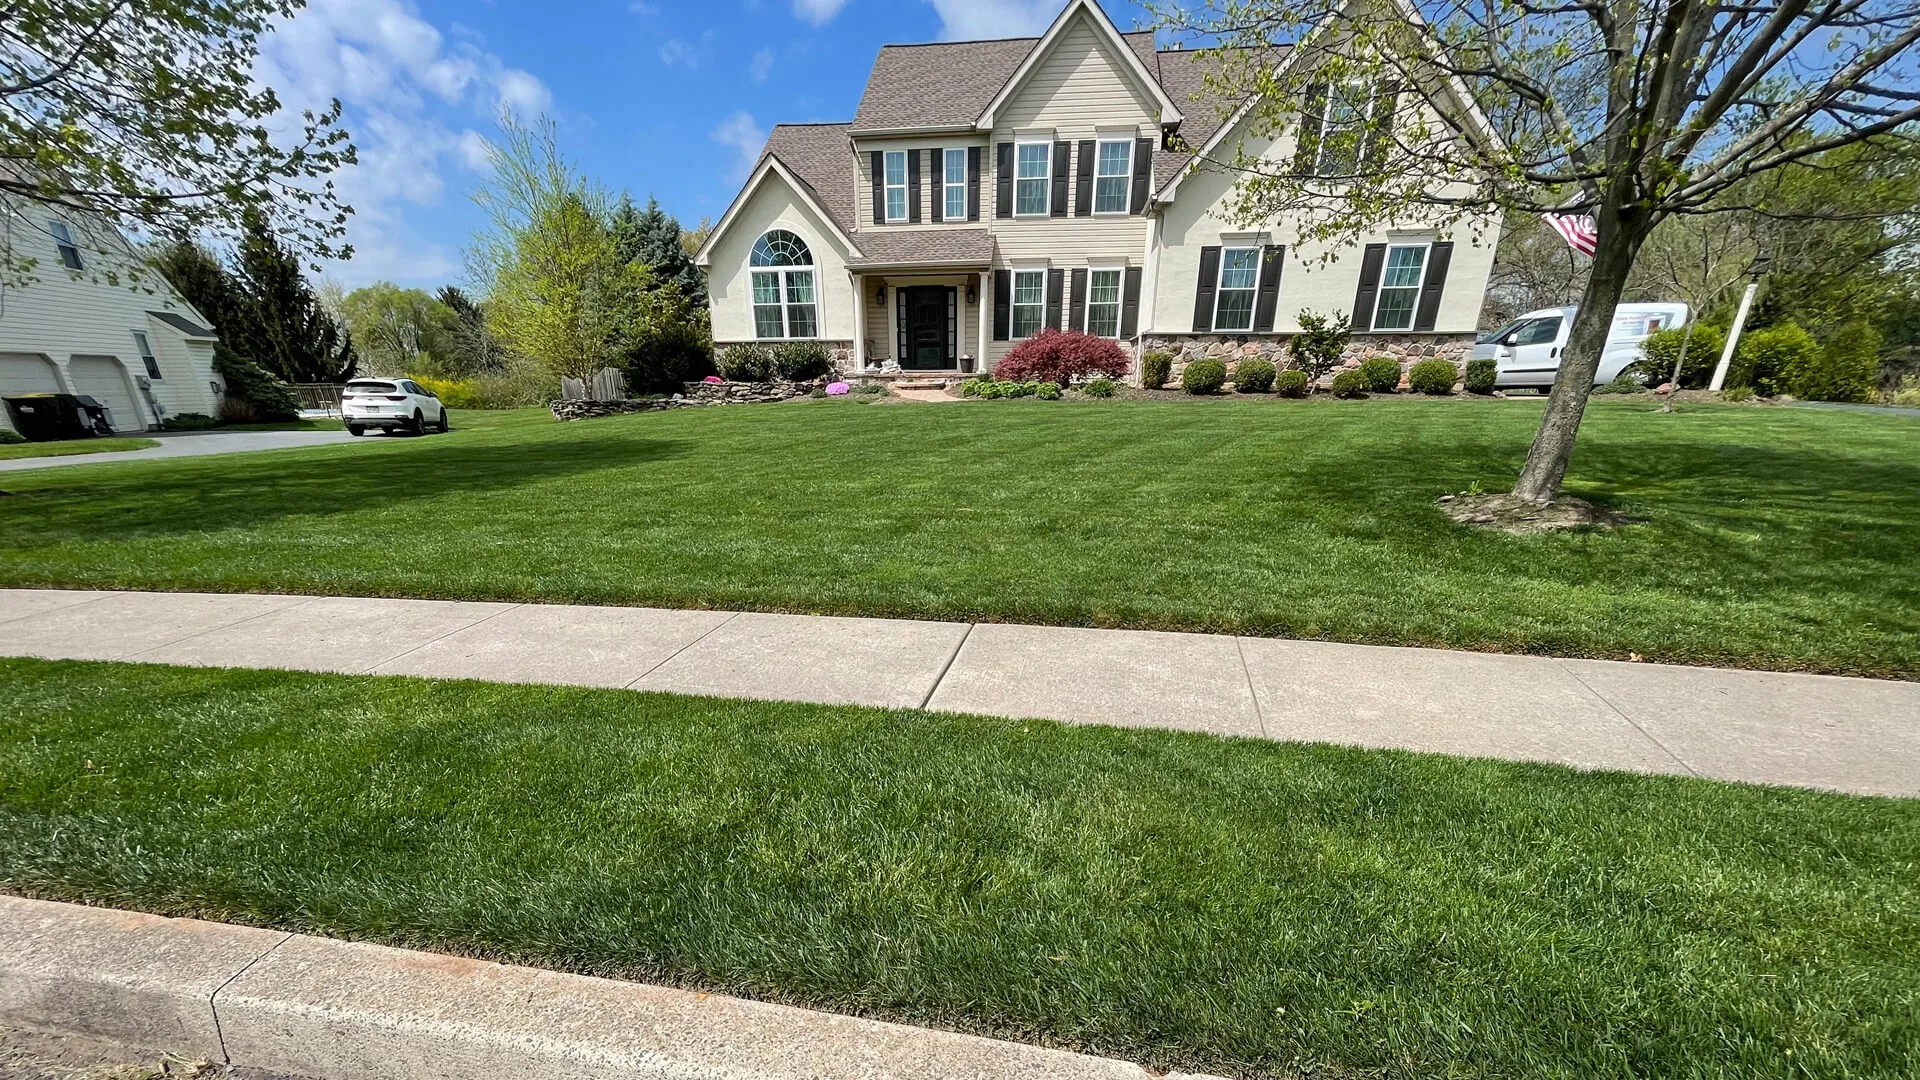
{"type": "Point", "coordinates": [1112, 176]}
{"type": "Point", "coordinates": [896, 184]}
{"type": "Point", "coordinates": [1029, 302]}
{"type": "Point", "coordinates": [63, 241]}
{"type": "Point", "coordinates": [784, 305]}
{"type": "Point", "coordinates": [1032, 179]}
{"type": "Point", "coordinates": [1239, 279]}
{"type": "Point", "coordinates": [141, 343]}
{"type": "Point", "coordinates": [953, 180]}
{"type": "Point", "coordinates": [1103, 302]}
{"type": "Point", "coordinates": [1400, 280]}
{"type": "Point", "coordinates": [1342, 129]}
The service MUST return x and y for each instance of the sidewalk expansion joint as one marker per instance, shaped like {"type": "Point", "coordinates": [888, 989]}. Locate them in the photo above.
{"type": "Point", "coordinates": [134, 657]}
{"type": "Point", "coordinates": [1631, 722]}
{"type": "Point", "coordinates": [1246, 669]}
{"type": "Point", "coordinates": [948, 666]}
{"type": "Point", "coordinates": [213, 999]}
{"type": "Point", "coordinates": [456, 630]}
{"type": "Point", "coordinates": [635, 684]}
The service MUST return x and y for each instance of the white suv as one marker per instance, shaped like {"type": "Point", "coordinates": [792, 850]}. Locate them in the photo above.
{"type": "Point", "coordinates": [393, 404]}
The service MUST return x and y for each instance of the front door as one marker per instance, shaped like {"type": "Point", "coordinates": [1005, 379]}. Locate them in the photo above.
{"type": "Point", "coordinates": [927, 327]}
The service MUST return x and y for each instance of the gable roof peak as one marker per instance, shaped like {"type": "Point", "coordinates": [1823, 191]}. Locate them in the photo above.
{"type": "Point", "coordinates": [1148, 79]}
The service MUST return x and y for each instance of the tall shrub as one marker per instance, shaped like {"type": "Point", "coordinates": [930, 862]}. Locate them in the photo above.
{"type": "Point", "coordinates": [1155, 369]}
{"type": "Point", "coordinates": [747, 362]}
{"type": "Point", "coordinates": [1663, 348]}
{"type": "Point", "coordinates": [802, 361]}
{"type": "Point", "coordinates": [1060, 356]}
{"type": "Point", "coordinates": [1846, 369]}
{"type": "Point", "coordinates": [1322, 340]}
{"type": "Point", "coordinates": [1763, 357]}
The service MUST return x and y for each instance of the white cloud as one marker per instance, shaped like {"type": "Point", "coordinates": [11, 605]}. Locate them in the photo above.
{"type": "Point", "coordinates": [746, 137]}
{"type": "Point", "coordinates": [674, 51]}
{"type": "Point", "coordinates": [643, 9]}
{"type": "Point", "coordinates": [760, 66]}
{"type": "Point", "coordinates": [410, 99]}
{"type": "Point", "coordinates": [817, 12]}
{"type": "Point", "coordinates": [968, 20]}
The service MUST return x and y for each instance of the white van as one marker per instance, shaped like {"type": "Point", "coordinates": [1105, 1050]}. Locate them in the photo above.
{"type": "Point", "coordinates": [1527, 350]}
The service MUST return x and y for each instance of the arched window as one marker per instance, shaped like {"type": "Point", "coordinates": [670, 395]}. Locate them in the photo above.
{"type": "Point", "coordinates": [783, 301]}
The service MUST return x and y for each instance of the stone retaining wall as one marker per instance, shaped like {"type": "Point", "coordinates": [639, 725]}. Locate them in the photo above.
{"type": "Point", "coordinates": [696, 394]}
{"type": "Point", "coordinates": [1409, 349]}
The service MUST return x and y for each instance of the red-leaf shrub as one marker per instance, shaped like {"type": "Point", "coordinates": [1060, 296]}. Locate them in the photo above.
{"type": "Point", "coordinates": [1057, 356]}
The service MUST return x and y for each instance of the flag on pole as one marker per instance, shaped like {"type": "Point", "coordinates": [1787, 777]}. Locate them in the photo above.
{"type": "Point", "coordinates": [1578, 230]}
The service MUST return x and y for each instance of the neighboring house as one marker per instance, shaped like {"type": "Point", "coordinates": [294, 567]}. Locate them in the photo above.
{"type": "Point", "coordinates": [136, 346]}
{"type": "Point", "coordinates": [988, 189]}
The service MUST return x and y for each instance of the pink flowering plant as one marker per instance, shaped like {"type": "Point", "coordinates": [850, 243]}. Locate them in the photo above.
{"type": "Point", "coordinates": [836, 389]}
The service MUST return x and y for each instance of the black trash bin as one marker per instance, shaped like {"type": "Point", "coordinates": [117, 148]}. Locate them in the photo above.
{"type": "Point", "coordinates": [48, 417]}
{"type": "Point", "coordinates": [95, 415]}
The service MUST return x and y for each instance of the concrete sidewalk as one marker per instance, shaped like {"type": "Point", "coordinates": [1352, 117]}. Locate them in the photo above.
{"type": "Point", "coordinates": [1855, 735]}
{"type": "Point", "coordinates": [293, 1005]}
{"type": "Point", "coordinates": [195, 444]}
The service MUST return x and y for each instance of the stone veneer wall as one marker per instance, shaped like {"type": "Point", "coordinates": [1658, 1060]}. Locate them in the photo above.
{"type": "Point", "coordinates": [1409, 349]}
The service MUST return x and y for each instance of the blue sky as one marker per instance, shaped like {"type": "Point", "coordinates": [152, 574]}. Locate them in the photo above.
{"type": "Point", "coordinates": [668, 97]}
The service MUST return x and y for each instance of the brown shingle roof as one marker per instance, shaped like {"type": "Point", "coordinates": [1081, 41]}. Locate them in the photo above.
{"type": "Point", "coordinates": [948, 84]}
{"type": "Point", "coordinates": [819, 155]}
{"type": "Point", "coordinates": [925, 247]}
{"type": "Point", "coordinates": [1182, 75]}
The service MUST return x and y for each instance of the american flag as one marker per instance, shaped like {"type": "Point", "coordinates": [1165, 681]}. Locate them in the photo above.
{"type": "Point", "coordinates": [1578, 230]}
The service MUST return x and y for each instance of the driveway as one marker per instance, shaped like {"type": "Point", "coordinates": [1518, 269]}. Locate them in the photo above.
{"type": "Point", "coordinates": [193, 444]}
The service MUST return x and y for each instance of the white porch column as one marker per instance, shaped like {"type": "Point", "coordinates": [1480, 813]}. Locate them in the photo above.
{"type": "Point", "coordinates": [859, 324]}
{"type": "Point", "coordinates": [980, 365]}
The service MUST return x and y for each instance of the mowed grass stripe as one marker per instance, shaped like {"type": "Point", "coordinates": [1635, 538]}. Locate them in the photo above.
{"type": "Point", "coordinates": [1239, 907]}
{"type": "Point", "coordinates": [1775, 538]}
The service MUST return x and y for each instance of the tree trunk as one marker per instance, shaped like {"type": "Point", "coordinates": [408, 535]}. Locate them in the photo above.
{"type": "Point", "coordinates": [1546, 467]}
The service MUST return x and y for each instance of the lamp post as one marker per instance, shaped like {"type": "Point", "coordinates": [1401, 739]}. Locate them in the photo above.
{"type": "Point", "coordinates": [1759, 267]}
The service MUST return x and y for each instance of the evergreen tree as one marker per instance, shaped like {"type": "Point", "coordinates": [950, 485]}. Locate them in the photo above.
{"type": "Point", "coordinates": [652, 238]}
{"type": "Point", "coordinates": [464, 345]}
{"type": "Point", "coordinates": [196, 274]}
{"type": "Point", "coordinates": [286, 329]}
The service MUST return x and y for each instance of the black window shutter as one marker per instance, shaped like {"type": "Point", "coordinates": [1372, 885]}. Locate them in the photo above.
{"type": "Point", "coordinates": [1380, 127]}
{"type": "Point", "coordinates": [1203, 296]}
{"type": "Point", "coordinates": [1083, 188]}
{"type": "Point", "coordinates": [1003, 182]}
{"type": "Point", "coordinates": [973, 183]}
{"type": "Point", "coordinates": [913, 187]}
{"type": "Point", "coordinates": [1428, 313]}
{"type": "Point", "coordinates": [1272, 256]}
{"type": "Point", "coordinates": [879, 188]}
{"type": "Point", "coordinates": [1002, 305]}
{"type": "Point", "coordinates": [1056, 284]}
{"type": "Point", "coordinates": [1363, 298]}
{"type": "Point", "coordinates": [1306, 147]}
{"type": "Point", "coordinates": [937, 180]}
{"type": "Point", "coordinates": [1142, 174]}
{"type": "Point", "coordinates": [1077, 303]}
{"type": "Point", "coordinates": [1130, 303]}
{"type": "Point", "coordinates": [1060, 163]}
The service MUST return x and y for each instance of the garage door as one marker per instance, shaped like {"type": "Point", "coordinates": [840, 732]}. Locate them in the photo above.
{"type": "Point", "coordinates": [25, 373]}
{"type": "Point", "coordinates": [106, 380]}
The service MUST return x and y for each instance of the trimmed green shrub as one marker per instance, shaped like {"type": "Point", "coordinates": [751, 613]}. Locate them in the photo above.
{"type": "Point", "coordinates": [1098, 388]}
{"type": "Point", "coordinates": [802, 361]}
{"type": "Point", "coordinates": [1763, 357]}
{"type": "Point", "coordinates": [1155, 369]}
{"type": "Point", "coordinates": [1435, 376]}
{"type": "Point", "coordinates": [746, 362]}
{"type": "Point", "coordinates": [872, 389]}
{"type": "Point", "coordinates": [1623, 383]}
{"type": "Point", "coordinates": [1291, 383]}
{"type": "Point", "coordinates": [1382, 374]}
{"type": "Point", "coordinates": [1481, 375]}
{"type": "Point", "coordinates": [1846, 369]}
{"type": "Point", "coordinates": [8, 435]}
{"type": "Point", "coordinates": [1350, 384]}
{"type": "Point", "coordinates": [453, 393]}
{"type": "Point", "coordinates": [1320, 344]}
{"type": "Point", "coordinates": [188, 421]}
{"type": "Point", "coordinates": [1663, 348]}
{"type": "Point", "coordinates": [1047, 391]}
{"type": "Point", "coordinates": [1737, 393]}
{"type": "Point", "coordinates": [817, 392]}
{"type": "Point", "coordinates": [1253, 376]}
{"type": "Point", "coordinates": [1204, 376]}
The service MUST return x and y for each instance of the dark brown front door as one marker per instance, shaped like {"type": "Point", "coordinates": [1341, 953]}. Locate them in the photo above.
{"type": "Point", "coordinates": [927, 328]}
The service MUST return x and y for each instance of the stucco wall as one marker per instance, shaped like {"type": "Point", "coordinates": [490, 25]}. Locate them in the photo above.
{"type": "Point", "coordinates": [774, 205]}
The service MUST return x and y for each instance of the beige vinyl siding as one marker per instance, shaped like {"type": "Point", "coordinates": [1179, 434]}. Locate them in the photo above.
{"type": "Point", "coordinates": [1197, 219]}
{"type": "Point", "coordinates": [774, 205]}
{"type": "Point", "coordinates": [930, 156]}
{"type": "Point", "coordinates": [60, 317]}
{"type": "Point", "coordinates": [882, 322]}
{"type": "Point", "coordinates": [1082, 84]}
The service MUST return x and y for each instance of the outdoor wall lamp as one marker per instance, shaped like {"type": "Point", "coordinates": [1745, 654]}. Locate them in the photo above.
{"type": "Point", "coordinates": [973, 293]}
{"type": "Point", "coordinates": [880, 294]}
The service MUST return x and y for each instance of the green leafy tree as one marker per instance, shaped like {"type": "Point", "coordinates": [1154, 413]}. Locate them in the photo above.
{"type": "Point", "coordinates": [1461, 111]}
{"type": "Point", "coordinates": [462, 345]}
{"type": "Point", "coordinates": [557, 289]}
{"type": "Point", "coordinates": [394, 328]}
{"type": "Point", "coordinates": [1320, 344]}
{"type": "Point", "coordinates": [283, 327]}
{"type": "Point", "coordinates": [146, 118]}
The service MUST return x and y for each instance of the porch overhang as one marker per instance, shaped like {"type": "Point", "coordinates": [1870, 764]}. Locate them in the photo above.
{"type": "Point", "coordinates": [925, 250]}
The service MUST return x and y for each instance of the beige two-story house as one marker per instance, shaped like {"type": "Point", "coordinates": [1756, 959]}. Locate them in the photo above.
{"type": "Point", "coordinates": [986, 190]}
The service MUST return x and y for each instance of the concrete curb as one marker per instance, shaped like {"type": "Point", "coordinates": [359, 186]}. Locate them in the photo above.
{"type": "Point", "coordinates": [334, 1010]}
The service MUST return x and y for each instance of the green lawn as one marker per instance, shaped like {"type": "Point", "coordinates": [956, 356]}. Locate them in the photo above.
{"type": "Point", "coordinates": [1234, 906]}
{"type": "Point", "coordinates": [1781, 538]}
{"type": "Point", "coordinates": [14, 451]}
